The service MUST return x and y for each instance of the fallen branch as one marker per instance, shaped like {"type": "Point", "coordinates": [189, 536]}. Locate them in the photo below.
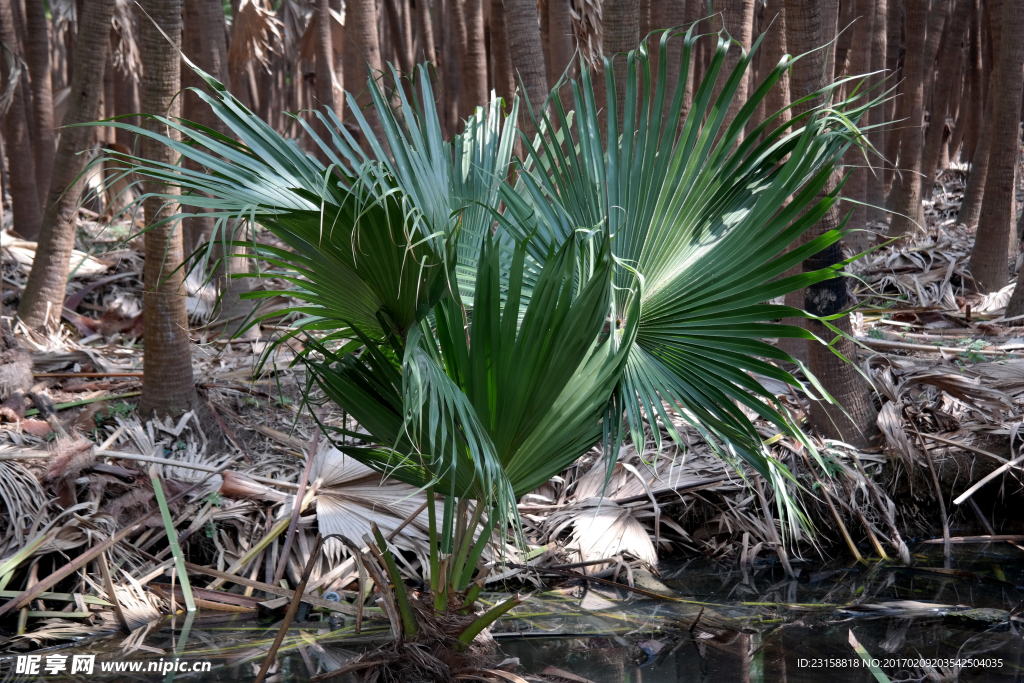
{"type": "Point", "coordinates": [885, 344]}
{"type": "Point", "coordinates": [292, 609]}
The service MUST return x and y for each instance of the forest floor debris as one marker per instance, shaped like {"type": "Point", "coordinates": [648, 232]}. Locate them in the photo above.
{"type": "Point", "coordinates": [947, 368]}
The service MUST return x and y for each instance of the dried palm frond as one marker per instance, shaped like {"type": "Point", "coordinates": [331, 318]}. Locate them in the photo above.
{"type": "Point", "coordinates": [125, 50]}
{"type": "Point", "coordinates": [139, 606]}
{"type": "Point", "coordinates": [255, 33]}
{"type": "Point", "coordinates": [24, 505]}
{"type": "Point", "coordinates": [351, 496]}
{"type": "Point", "coordinates": [587, 27]}
{"type": "Point", "coordinates": [307, 43]}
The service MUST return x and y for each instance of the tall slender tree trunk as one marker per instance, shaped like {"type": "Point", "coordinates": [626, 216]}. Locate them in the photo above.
{"type": "Point", "coordinates": [908, 212]}
{"type": "Point", "coordinates": [126, 101]}
{"type": "Point", "coordinates": [561, 46]}
{"type": "Point", "coordinates": [989, 255]}
{"type": "Point", "coordinates": [970, 208]}
{"type": "Point", "coordinates": [472, 56]}
{"type": "Point", "coordinates": [364, 60]}
{"type": "Point", "coordinates": [167, 385]}
{"type": "Point", "coordinates": [43, 300]}
{"type": "Point", "coordinates": [18, 140]}
{"type": "Point", "coordinates": [876, 179]}
{"type": "Point", "coordinates": [974, 107]}
{"type": "Point", "coordinates": [326, 83]}
{"type": "Point", "coordinates": [522, 28]}
{"type": "Point", "coordinates": [672, 14]}
{"type": "Point", "coordinates": [738, 18]}
{"type": "Point", "coordinates": [205, 37]}
{"type": "Point", "coordinates": [856, 189]}
{"type": "Point", "coordinates": [37, 54]}
{"type": "Point", "coordinates": [807, 27]}
{"type": "Point", "coordinates": [424, 10]}
{"type": "Point", "coordinates": [944, 83]}
{"type": "Point", "coordinates": [621, 34]}
{"type": "Point", "coordinates": [896, 106]}
{"type": "Point", "coordinates": [504, 76]}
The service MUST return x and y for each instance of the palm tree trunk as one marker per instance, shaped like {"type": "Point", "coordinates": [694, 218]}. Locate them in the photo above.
{"type": "Point", "coordinates": [126, 101]}
{"type": "Point", "coordinates": [621, 34]}
{"type": "Point", "coordinates": [856, 188]}
{"type": "Point", "coordinates": [43, 300]}
{"type": "Point", "coordinates": [18, 140]}
{"type": "Point", "coordinates": [396, 25]}
{"type": "Point", "coordinates": [37, 54]}
{"type": "Point", "coordinates": [894, 108]}
{"type": "Point", "coordinates": [326, 88]}
{"type": "Point", "coordinates": [974, 105]}
{"type": "Point", "coordinates": [876, 178]}
{"type": "Point", "coordinates": [504, 77]}
{"type": "Point", "coordinates": [939, 18]}
{"type": "Point", "coordinates": [472, 56]}
{"type": "Point", "coordinates": [562, 44]}
{"type": "Point", "coordinates": [807, 27]}
{"type": "Point", "coordinates": [167, 385]}
{"type": "Point", "coordinates": [426, 29]}
{"type": "Point", "coordinates": [738, 17]}
{"type": "Point", "coordinates": [989, 255]}
{"type": "Point", "coordinates": [363, 61]}
{"type": "Point", "coordinates": [522, 30]}
{"type": "Point", "coordinates": [970, 208]}
{"type": "Point", "coordinates": [944, 83]}
{"type": "Point", "coordinates": [908, 212]}
{"type": "Point", "coordinates": [672, 14]}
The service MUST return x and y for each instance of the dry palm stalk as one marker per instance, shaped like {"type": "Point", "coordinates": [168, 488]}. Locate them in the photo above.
{"type": "Point", "coordinates": [946, 551]}
{"type": "Point", "coordinates": [863, 520]}
{"type": "Point", "coordinates": [70, 568]}
{"type": "Point", "coordinates": [293, 523]}
{"type": "Point", "coordinates": [894, 535]}
{"type": "Point", "coordinates": [828, 499]}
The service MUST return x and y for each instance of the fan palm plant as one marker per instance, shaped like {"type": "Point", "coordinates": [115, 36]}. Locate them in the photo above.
{"type": "Point", "coordinates": [484, 333]}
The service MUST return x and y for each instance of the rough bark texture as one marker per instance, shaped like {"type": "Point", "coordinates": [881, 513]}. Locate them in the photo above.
{"type": "Point", "coordinates": [18, 141]}
{"type": "Point", "coordinates": [621, 34]}
{"type": "Point", "coordinates": [856, 189]}
{"type": "Point", "coordinates": [738, 17]}
{"type": "Point", "coordinates": [504, 77]}
{"type": "Point", "coordinates": [893, 63]}
{"type": "Point", "coordinates": [908, 212]}
{"type": "Point", "coordinates": [472, 57]}
{"type": "Point", "coordinates": [424, 10]}
{"type": "Point", "coordinates": [944, 82]}
{"type": "Point", "coordinates": [37, 54]}
{"type": "Point", "coordinates": [561, 46]}
{"type": "Point", "coordinates": [522, 31]}
{"type": "Point", "coordinates": [1015, 309]}
{"type": "Point", "coordinates": [970, 208]}
{"type": "Point", "coordinates": [363, 61]}
{"type": "Point", "coordinates": [167, 385]}
{"type": "Point", "coordinates": [989, 256]}
{"type": "Point", "coordinates": [205, 40]}
{"type": "Point", "coordinates": [774, 46]}
{"type": "Point", "coordinates": [326, 83]}
{"type": "Point", "coordinates": [672, 14]}
{"type": "Point", "coordinates": [806, 28]}
{"type": "Point", "coordinates": [876, 179]}
{"type": "Point", "coordinates": [975, 105]}
{"type": "Point", "coordinates": [126, 101]}
{"type": "Point", "coordinates": [43, 299]}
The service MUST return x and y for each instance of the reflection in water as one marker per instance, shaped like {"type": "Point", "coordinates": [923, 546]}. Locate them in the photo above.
{"type": "Point", "coordinates": [720, 625]}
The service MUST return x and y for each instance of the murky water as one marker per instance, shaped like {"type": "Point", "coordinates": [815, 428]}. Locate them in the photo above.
{"type": "Point", "coordinates": [722, 625]}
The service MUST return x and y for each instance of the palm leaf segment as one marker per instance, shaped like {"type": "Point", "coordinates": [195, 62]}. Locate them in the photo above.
{"type": "Point", "coordinates": [706, 219]}
{"type": "Point", "coordinates": [486, 362]}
